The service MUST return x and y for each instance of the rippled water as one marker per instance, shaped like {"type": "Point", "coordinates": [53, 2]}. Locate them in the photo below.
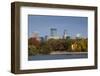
{"type": "Point", "coordinates": [58, 56]}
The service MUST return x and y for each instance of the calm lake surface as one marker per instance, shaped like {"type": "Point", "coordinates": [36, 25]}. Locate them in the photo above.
{"type": "Point", "coordinates": [59, 56]}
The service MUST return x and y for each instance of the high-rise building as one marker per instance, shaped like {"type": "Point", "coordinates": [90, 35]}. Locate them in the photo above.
{"type": "Point", "coordinates": [53, 34]}
{"type": "Point", "coordinates": [78, 36]}
{"type": "Point", "coordinates": [65, 34]}
{"type": "Point", "coordinates": [46, 37]}
{"type": "Point", "coordinates": [53, 31]}
{"type": "Point", "coordinates": [36, 35]}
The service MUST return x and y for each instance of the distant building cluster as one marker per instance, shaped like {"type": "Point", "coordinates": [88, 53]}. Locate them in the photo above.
{"type": "Point", "coordinates": [53, 35]}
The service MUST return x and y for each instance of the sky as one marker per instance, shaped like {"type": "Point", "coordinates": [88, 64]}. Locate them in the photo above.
{"type": "Point", "coordinates": [42, 25]}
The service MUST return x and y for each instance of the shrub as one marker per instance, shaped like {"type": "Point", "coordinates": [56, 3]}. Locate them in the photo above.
{"type": "Point", "coordinates": [32, 50]}
{"type": "Point", "coordinates": [45, 49]}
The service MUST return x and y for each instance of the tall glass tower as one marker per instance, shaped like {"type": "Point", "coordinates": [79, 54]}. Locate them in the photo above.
{"type": "Point", "coordinates": [65, 34]}
{"type": "Point", "coordinates": [53, 31]}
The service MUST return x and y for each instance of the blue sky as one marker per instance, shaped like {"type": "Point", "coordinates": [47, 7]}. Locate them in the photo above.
{"type": "Point", "coordinates": [43, 24]}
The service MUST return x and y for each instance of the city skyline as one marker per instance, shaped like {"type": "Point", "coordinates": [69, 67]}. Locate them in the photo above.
{"type": "Point", "coordinates": [42, 25]}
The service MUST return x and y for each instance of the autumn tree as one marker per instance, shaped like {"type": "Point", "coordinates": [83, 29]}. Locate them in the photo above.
{"type": "Point", "coordinates": [34, 41]}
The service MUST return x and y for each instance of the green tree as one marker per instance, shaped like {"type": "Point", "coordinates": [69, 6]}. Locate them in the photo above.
{"type": "Point", "coordinates": [83, 43]}
{"type": "Point", "coordinates": [32, 50]}
{"type": "Point", "coordinates": [45, 49]}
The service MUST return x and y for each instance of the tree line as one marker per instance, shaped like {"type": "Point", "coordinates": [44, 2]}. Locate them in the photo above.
{"type": "Point", "coordinates": [36, 47]}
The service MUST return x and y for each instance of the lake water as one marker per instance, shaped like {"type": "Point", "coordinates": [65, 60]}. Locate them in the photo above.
{"type": "Point", "coordinates": [59, 56]}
